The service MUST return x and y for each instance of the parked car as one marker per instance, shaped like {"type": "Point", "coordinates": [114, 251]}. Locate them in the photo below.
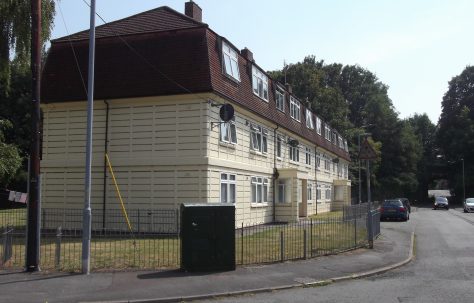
{"type": "Point", "coordinates": [441, 202]}
{"type": "Point", "coordinates": [469, 205]}
{"type": "Point", "coordinates": [406, 203]}
{"type": "Point", "coordinates": [394, 209]}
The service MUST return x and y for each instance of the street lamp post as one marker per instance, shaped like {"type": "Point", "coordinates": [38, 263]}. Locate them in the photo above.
{"type": "Point", "coordinates": [463, 183]}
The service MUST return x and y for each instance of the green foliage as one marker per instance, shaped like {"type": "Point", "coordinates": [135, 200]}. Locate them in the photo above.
{"type": "Point", "coordinates": [10, 160]}
{"type": "Point", "coordinates": [352, 99]}
{"type": "Point", "coordinates": [15, 33]}
{"type": "Point", "coordinates": [456, 130]}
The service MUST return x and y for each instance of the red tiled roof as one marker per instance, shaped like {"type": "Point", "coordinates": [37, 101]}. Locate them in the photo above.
{"type": "Point", "coordinates": [155, 20]}
{"type": "Point", "coordinates": [163, 63]}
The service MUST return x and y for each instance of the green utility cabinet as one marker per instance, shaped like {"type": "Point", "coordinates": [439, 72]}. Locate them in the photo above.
{"type": "Point", "coordinates": [207, 237]}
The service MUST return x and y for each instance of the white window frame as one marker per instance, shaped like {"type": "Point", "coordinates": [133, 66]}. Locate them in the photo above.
{"type": "Point", "coordinates": [230, 182]}
{"type": "Point", "coordinates": [281, 191]}
{"type": "Point", "coordinates": [318, 125]}
{"type": "Point", "coordinates": [308, 155]}
{"type": "Point", "coordinates": [295, 109]}
{"type": "Point", "coordinates": [279, 147]}
{"type": "Point", "coordinates": [280, 99]}
{"type": "Point", "coordinates": [259, 190]}
{"type": "Point", "coordinates": [327, 164]}
{"type": "Point", "coordinates": [318, 193]}
{"type": "Point", "coordinates": [228, 132]}
{"type": "Point", "coordinates": [318, 160]}
{"type": "Point", "coordinates": [259, 83]}
{"type": "Point", "coordinates": [341, 142]}
{"type": "Point", "coordinates": [327, 132]}
{"type": "Point", "coordinates": [346, 148]}
{"type": "Point", "coordinates": [309, 119]}
{"type": "Point", "coordinates": [294, 153]}
{"type": "Point", "coordinates": [230, 60]}
{"type": "Point", "coordinates": [328, 193]}
{"type": "Point", "coordinates": [258, 139]}
{"type": "Point", "coordinates": [309, 193]}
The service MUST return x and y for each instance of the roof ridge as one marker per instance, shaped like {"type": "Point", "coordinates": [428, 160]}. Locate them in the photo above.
{"type": "Point", "coordinates": [108, 24]}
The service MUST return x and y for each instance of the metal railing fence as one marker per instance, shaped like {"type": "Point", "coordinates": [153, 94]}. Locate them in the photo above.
{"type": "Point", "coordinates": [155, 242]}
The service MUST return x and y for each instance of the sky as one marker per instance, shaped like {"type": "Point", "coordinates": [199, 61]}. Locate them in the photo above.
{"type": "Point", "coordinates": [415, 47]}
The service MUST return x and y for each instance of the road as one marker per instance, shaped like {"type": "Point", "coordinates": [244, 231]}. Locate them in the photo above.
{"type": "Point", "coordinates": [443, 269]}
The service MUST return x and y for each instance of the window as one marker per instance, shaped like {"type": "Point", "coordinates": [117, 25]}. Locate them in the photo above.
{"type": "Point", "coordinates": [328, 194]}
{"type": "Point", "coordinates": [295, 109]}
{"type": "Point", "coordinates": [318, 193]}
{"type": "Point", "coordinates": [318, 126]}
{"type": "Point", "coordinates": [346, 148]}
{"type": "Point", "coordinates": [309, 196]}
{"type": "Point", "coordinates": [294, 153]}
{"type": "Point", "coordinates": [259, 83]}
{"type": "Point", "coordinates": [341, 142]}
{"type": "Point", "coordinates": [308, 155]}
{"type": "Point", "coordinates": [327, 132]}
{"type": "Point", "coordinates": [327, 164]}
{"type": "Point", "coordinates": [258, 138]}
{"type": "Point", "coordinates": [228, 132]}
{"type": "Point", "coordinates": [227, 188]}
{"type": "Point", "coordinates": [318, 160]}
{"type": "Point", "coordinates": [259, 190]}
{"type": "Point", "coordinates": [231, 61]}
{"type": "Point", "coordinates": [334, 138]}
{"type": "Point", "coordinates": [309, 119]}
{"type": "Point", "coordinates": [280, 99]}
{"type": "Point", "coordinates": [282, 191]}
{"type": "Point", "coordinates": [279, 144]}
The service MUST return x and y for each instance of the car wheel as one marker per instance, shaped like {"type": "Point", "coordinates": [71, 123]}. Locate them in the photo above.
{"type": "Point", "coordinates": [447, 208]}
{"type": "Point", "coordinates": [465, 210]}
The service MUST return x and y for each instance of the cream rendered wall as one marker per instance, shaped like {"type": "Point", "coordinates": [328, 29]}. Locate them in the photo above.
{"type": "Point", "coordinates": [239, 159]}
{"type": "Point", "coordinates": [157, 146]}
{"type": "Point", "coordinates": [165, 152]}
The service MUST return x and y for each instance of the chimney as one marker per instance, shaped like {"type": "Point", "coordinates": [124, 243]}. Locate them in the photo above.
{"type": "Point", "coordinates": [193, 10]}
{"type": "Point", "coordinates": [247, 54]}
{"type": "Point", "coordinates": [289, 88]}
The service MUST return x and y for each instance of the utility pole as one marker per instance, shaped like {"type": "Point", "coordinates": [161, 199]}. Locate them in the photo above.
{"type": "Point", "coordinates": [463, 183]}
{"type": "Point", "coordinates": [34, 197]}
{"type": "Point", "coordinates": [87, 214]}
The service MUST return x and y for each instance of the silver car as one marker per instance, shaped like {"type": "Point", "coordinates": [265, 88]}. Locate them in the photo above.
{"type": "Point", "coordinates": [469, 205]}
{"type": "Point", "coordinates": [441, 202]}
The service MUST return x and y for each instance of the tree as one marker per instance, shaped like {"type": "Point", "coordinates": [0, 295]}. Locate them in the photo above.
{"type": "Point", "coordinates": [352, 99]}
{"type": "Point", "coordinates": [425, 130]}
{"type": "Point", "coordinates": [456, 129]}
{"type": "Point", "coordinates": [10, 160]}
{"type": "Point", "coordinates": [15, 33]}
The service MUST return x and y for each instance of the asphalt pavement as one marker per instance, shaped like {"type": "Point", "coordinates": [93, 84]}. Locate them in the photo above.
{"type": "Point", "coordinates": [392, 249]}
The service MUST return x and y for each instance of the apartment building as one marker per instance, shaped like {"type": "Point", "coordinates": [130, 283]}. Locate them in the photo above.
{"type": "Point", "coordinates": [161, 78]}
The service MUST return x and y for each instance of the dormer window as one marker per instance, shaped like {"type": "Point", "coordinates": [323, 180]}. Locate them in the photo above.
{"type": "Point", "coordinates": [309, 119]}
{"type": "Point", "coordinates": [340, 141]}
{"type": "Point", "coordinates": [259, 83]}
{"type": "Point", "coordinates": [318, 126]}
{"type": "Point", "coordinates": [280, 99]}
{"type": "Point", "coordinates": [231, 61]}
{"type": "Point", "coordinates": [346, 148]}
{"type": "Point", "coordinates": [327, 132]}
{"type": "Point", "coordinates": [295, 109]}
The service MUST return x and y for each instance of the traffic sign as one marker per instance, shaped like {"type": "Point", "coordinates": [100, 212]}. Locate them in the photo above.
{"type": "Point", "coordinates": [367, 152]}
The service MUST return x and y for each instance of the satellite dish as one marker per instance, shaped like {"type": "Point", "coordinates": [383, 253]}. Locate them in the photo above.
{"type": "Point", "coordinates": [226, 112]}
{"type": "Point", "coordinates": [293, 143]}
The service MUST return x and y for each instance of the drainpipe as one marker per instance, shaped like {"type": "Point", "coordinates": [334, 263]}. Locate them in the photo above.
{"type": "Point", "coordinates": [106, 144]}
{"type": "Point", "coordinates": [275, 171]}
